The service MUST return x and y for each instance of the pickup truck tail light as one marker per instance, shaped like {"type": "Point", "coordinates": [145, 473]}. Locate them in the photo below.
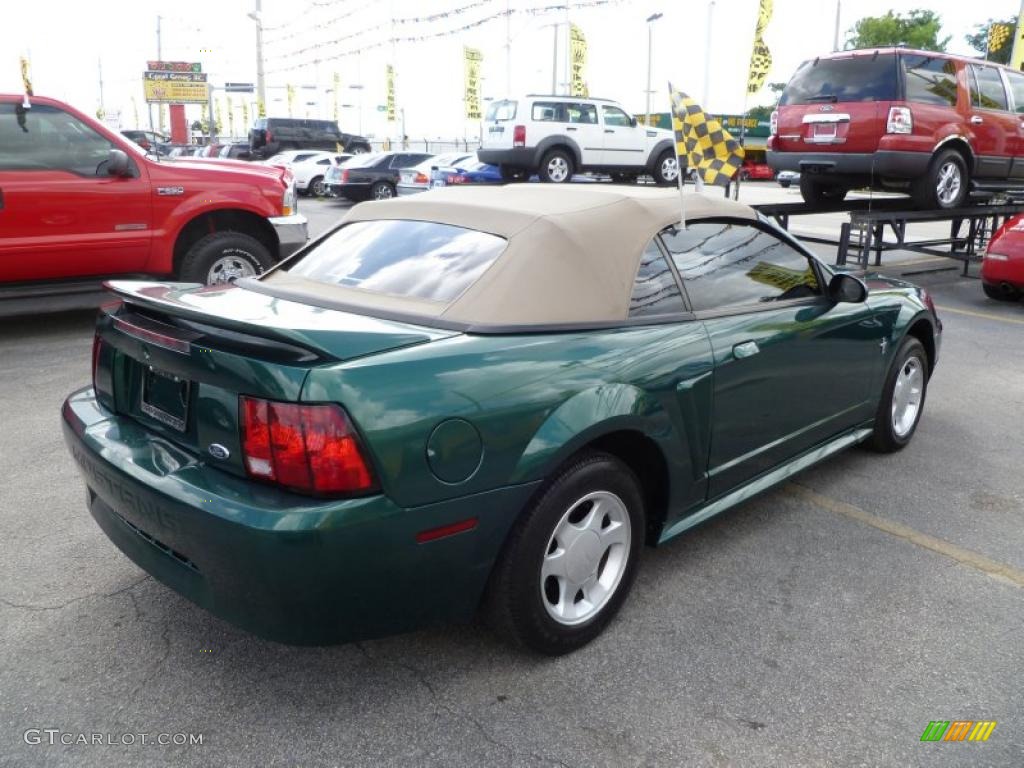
{"type": "Point", "coordinates": [519, 136]}
{"type": "Point", "coordinates": [773, 123]}
{"type": "Point", "coordinates": [307, 448]}
{"type": "Point", "coordinates": [900, 120]}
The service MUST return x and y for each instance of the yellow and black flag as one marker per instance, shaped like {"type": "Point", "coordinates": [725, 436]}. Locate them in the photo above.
{"type": "Point", "coordinates": [702, 143]}
{"type": "Point", "coordinates": [998, 35]}
{"type": "Point", "coordinates": [760, 57]}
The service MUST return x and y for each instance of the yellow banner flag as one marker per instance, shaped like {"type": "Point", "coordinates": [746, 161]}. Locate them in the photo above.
{"type": "Point", "coordinates": [26, 81]}
{"type": "Point", "coordinates": [290, 90]}
{"type": "Point", "coordinates": [578, 51]}
{"type": "Point", "coordinates": [1017, 55]}
{"type": "Point", "coordinates": [335, 92]}
{"type": "Point", "coordinates": [472, 58]}
{"type": "Point", "coordinates": [998, 35]}
{"type": "Point", "coordinates": [389, 75]}
{"type": "Point", "coordinates": [760, 57]}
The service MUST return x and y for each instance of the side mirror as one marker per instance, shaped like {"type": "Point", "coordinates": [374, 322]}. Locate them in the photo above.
{"type": "Point", "coordinates": [632, 121]}
{"type": "Point", "coordinates": [118, 164]}
{"type": "Point", "coordinates": [847, 289]}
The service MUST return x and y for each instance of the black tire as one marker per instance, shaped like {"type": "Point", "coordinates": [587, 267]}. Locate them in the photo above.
{"type": "Point", "coordinates": [996, 292]}
{"type": "Point", "coordinates": [658, 173]}
{"type": "Point", "coordinates": [382, 190]}
{"type": "Point", "coordinates": [200, 264]}
{"type": "Point", "coordinates": [885, 438]}
{"type": "Point", "coordinates": [744, 175]}
{"type": "Point", "coordinates": [784, 184]}
{"type": "Point", "coordinates": [925, 191]}
{"type": "Point", "coordinates": [624, 178]}
{"type": "Point", "coordinates": [316, 187]}
{"type": "Point", "coordinates": [515, 602]}
{"type": "Point", "coordinates": [556, 160]}
{"type": "Point", "coordinates": [814, 192]}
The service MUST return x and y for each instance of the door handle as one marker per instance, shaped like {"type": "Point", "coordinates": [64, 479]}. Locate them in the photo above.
{"type": "Point", "coordinates": [570, 128]}
{"type": "Point", "coordinates": [977, 119]}
{"type": "Point", "coordinates": [745, 349]}
{"type": "Point", "coordinates": [609, 130]}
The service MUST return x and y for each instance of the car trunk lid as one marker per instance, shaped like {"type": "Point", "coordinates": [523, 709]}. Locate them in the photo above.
{"type": "Point", "coordinates": [177, 357]}
{"type": "Point", "coordinates": [838, 104]}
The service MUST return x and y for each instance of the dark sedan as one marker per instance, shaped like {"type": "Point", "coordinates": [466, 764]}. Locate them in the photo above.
{"type": "Point", "coordinates": [373, 176]}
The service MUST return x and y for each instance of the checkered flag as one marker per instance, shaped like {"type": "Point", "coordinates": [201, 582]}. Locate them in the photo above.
{"type": "Point", "coordinates": [998, 34]}
{"type": "Point", "coordinates": [702, 144]}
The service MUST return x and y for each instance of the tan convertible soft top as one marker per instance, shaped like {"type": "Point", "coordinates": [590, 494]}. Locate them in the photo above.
{"type": "Point", "coordinates": [573, 251]}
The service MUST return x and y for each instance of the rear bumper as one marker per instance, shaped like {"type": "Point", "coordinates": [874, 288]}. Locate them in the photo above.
{"type": "Point", "coordinates": [292, 232]}
{"type": "Point", "coordinates": [516, 157]}
{"type": "Point", "coordinates": [351, 191]}
{"type": "Point", "coordinates": [288, 568]}
{"type": "Point", "coordinates": [406, 190]}
{"type": "Point", "coordinates": [999, 271]}
{"type": "Point", "coordinates": [884, 163]}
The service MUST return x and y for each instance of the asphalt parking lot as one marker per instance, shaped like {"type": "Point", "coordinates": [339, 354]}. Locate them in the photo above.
{"type": "Point", "coordinates": [824, 623]}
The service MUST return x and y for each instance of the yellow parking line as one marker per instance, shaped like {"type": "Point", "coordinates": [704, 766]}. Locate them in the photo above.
{"type": "Point", "coordinates": [999, 571]}
{"type": "Point", "coordinates": [983, 315]}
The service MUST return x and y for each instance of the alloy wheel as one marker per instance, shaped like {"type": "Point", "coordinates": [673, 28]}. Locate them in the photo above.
{"type": "Point", "coordinates": [906, 396]}
{"type": "Point", "coordinates": [947, 186]}
{"type": "Point", "coordinates": [558, 169]}
{"type": "Point", "coordinates": [670, 169]}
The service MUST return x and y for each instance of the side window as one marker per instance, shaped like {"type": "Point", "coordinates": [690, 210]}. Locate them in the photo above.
{"type": "Point", "coordinates": [987, 90]}
{"type": "Point", "coordinates": [930, 80]}
{"type": "Point", "coordinates": [655, 291]}
{"type": "Point", "coordinates": [545, 112]}
{"type": "Point", "coordinates": [325, 161]}
{"type": "Point", "coordinates": [1017, 89]}
{"type": "Point", "coordinates": [44, 138]}
{"type": "Point", "coordinates": [582, 113]}
{"type": "Point", "coordinates": [615, 116]}
{"type": "Point", "coordinates": [729, 264]}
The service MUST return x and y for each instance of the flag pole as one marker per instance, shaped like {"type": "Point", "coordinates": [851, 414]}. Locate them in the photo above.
{"type": "Point", "coordinates": [677, 135]}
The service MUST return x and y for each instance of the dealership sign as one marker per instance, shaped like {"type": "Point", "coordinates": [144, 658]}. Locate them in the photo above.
{"type": "Point", "coordinates": [174, 82]}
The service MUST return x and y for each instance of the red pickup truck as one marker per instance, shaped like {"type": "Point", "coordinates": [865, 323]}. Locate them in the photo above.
{"type": "Point", "coordinates": [80, 203]}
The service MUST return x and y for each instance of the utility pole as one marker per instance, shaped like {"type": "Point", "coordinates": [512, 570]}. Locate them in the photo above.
{"type": "Point", "coordinates": [554, 60]}
{"type": "Point", "coordinates": [160, 57]}
{"type": "Point", "coordinates": [100, 62]}
{"type": "Point", "coordinates": [261, 84]}
{"type": "Point", "coordinates": [707, 55]}
{"type": "Point", "coordinates": [650, 48]}
{"type": "Point", "coordinates": [835, 39]}
{"type": "Point", "coordinates": [508, 47]}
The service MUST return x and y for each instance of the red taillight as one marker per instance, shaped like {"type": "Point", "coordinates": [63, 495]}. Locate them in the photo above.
{"type": "Point", "coordinates": [458, 179]}
{"type": "Point", "coordinates": [270, 136]}
{"type": "Point", "coordinates": [344, 176]}
{"type": "Point", "coordinates": [519, 136]}
{"type": "Point", "coordinates": [307, 448]}
{"type": "Point", "coordinates": [773, 123]}
{"type": "Point", "coordinates": [421, 178]}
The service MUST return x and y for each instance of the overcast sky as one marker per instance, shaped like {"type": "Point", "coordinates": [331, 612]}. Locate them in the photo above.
{"type": "Point", "coordinates": [67, 40]}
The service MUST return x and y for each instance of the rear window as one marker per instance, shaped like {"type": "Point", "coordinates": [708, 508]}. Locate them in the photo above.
{"type": "Point", "coordinates": [365, 160]}
{"type": "Point", "coordinates": [501, 110]}
{"type": "Point", "coordinates": [856, 78]}
{"type": "Point", "coordinates": [410, 259]}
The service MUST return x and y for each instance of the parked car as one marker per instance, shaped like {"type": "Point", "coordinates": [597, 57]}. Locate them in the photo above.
{"type": "Point", "coordinates": [487, 397]}
{"type": "Point", "coordinates": [373, 176]}
{"type": "Point", "coordinates": [182, 150]}
{"type": "Point", "coordinates": [756, 172]}
{"type": "Point", "coordinates": [210, 150]}
{"type": "Point", "coordinates": [146, 139]}
{"type": "Point", "coordinates": [81, 203]}
{"type": "Point", "coordinates": [310, 172]}
{"type": "Point", "coordinates": [235, 151]}
{"type": "Point", "coordinates": [471, 172]}
{"type": "Point", "coordinates": [417, 178]}
{"type": "Point", "coordinates": [786, 178]}
{"type": "Point", "coordinates": [271, 135]}
{"type": "Point", "coordinates": [557, 136]}
{"type": "Point", "coordinates": [287, 159]}
{"type": "Point", "coordinates": [1002, 268]}
{"type": "Point", "coordinates": [930, 124]}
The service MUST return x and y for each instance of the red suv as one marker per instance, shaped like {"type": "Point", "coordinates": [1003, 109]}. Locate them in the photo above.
{"type": "Point", "coordinates": [929, 124]}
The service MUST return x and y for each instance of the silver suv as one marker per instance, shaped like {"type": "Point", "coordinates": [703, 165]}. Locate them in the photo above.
{"type": "Point", "coordinates": [557, 136]}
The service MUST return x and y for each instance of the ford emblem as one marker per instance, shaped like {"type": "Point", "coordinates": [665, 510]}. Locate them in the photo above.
{"type": "Point", "coordinates": [218, 451]}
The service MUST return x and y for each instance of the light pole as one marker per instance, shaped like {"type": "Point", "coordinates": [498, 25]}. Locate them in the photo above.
{"type": "Point", "coordinates": [360, 89]}
{"type": "Point", "coordinates": [650, 49]}
{"type": "Point", "coordinates": [707, 54]}
{"type": "Point", "coordinates": [261, 84]}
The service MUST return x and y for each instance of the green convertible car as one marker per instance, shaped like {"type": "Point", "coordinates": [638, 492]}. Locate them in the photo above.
{"type": "Point", "coordinates": [480, 400]}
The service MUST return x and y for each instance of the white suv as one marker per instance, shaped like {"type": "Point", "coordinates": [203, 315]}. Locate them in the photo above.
{"type": "Point", "coordinates": [557, 136]}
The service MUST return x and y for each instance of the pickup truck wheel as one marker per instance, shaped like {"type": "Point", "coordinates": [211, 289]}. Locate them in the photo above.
{"type": "Point", "coordinates": [666, 169]}
{"type": "Point", "coordinates": [945, 185]}
{"type": "Point", "coordinates": [568, 563]}
{"type": "Point", "coordinates": [814, 192]}
{"type": "Point", "coordinates": [556, 167]}
{"type": "Point", "coordinates": [222, 257]}
{"type": "Point", "coordinates": [382, 191]}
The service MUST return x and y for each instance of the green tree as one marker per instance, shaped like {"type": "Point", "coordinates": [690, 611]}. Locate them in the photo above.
{"type": "Point", "coordinates": [917, 29]}
{"type": "Point", "coordinates": [979, 40]}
